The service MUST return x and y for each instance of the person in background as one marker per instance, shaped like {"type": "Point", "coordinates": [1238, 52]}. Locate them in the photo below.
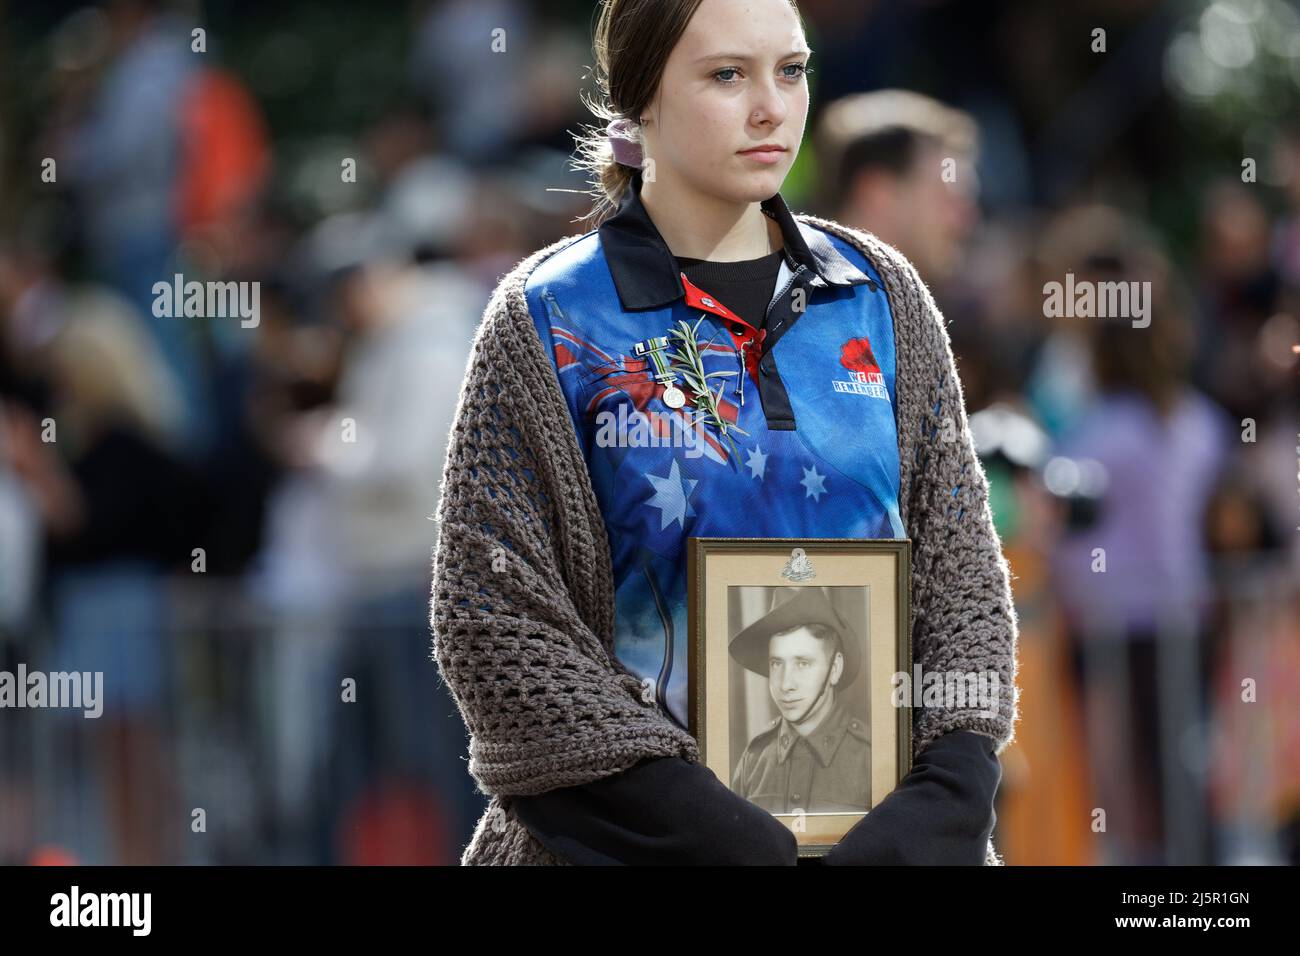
{"type": "Point", "coordinates": [405, 309]}
{"type": "Point", "coordinates": [901, 165]}
{"type": "Point", "coordinates": [121, 510]}
{"type": "Point", "coordinates": [1135, 584]}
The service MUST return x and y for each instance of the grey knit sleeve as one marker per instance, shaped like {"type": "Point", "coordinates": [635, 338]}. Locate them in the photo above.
{"type": "Point", "coordinates": [521, 620]}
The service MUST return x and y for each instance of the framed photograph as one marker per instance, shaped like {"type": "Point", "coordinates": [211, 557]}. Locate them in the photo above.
{"type": "Point", "coordinates": [794, 643]}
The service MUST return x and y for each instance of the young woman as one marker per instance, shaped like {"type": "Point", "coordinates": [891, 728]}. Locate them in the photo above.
{"type": "Point", "coordinates": [581, 460]}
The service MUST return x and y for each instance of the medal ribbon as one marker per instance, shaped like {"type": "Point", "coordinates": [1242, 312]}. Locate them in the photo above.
{"type": "Point", "coordinates": [655, 347]}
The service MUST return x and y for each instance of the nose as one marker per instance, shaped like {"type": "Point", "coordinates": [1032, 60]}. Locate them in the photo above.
{"type": "Point", "coordinates": [768, 105]}
{"type": "Point", "coordinates": [787, 679]}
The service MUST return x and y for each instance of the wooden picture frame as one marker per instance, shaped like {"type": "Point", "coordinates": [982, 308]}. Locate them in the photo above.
{"type": "Point", "coordinates": [817, 739]}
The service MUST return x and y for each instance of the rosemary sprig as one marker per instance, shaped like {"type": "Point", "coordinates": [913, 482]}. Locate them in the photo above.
{"type": "Point", "coordinates": [689, 363]}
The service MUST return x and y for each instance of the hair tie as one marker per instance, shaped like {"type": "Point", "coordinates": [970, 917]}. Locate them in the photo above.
{"type": "Point", "coordinates": [622, 139]}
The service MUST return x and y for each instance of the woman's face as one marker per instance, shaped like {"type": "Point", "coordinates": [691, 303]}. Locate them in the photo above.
{"type": "Point", "coordinates": [734, 81]}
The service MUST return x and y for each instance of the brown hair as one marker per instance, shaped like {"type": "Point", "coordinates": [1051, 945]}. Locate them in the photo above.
{"type": "Point", "coordinates": [1153, 361]}
{"type": "Point", "coordinates": [1100, 243]}
{"type": "Point", "coordinates": [632, 42]}
{"type": "Point", "coordinates": [884, 128]}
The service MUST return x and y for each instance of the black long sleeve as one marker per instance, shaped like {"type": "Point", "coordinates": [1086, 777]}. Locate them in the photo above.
{"type": "Point", "coordinates": [663, 811]}
{"type": "Point", "coordinates": [941, 813]}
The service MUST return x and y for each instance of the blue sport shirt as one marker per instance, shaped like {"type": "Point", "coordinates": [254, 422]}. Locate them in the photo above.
{"type": "Point", "coordinates": [810, 448]}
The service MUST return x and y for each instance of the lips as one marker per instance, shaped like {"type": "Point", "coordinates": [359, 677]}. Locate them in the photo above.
{"type": "Point", "coordinates": [764, 155]}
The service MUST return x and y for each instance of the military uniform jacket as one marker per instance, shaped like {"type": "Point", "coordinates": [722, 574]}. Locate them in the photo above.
{"type": "Point", "coordinates": [828, 771]}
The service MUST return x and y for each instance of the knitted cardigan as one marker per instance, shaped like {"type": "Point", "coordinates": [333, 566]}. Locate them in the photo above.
{"type": "Point", "coordinates": [522, 606]}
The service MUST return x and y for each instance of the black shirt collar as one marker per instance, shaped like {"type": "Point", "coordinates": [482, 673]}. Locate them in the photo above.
{"type": "Point", "coordinates": [646, 274]}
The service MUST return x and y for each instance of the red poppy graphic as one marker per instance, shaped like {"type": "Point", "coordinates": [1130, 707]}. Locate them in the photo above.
{"type": "Point", "coordinates": [856, 355]}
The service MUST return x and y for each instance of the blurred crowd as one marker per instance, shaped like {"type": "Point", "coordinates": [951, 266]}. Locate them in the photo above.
{"type": "Point", "coordinates": [234, 520]}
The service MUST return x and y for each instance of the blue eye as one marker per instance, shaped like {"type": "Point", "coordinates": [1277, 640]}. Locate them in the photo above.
{"type": "Point", "coordinates": [801, 69]}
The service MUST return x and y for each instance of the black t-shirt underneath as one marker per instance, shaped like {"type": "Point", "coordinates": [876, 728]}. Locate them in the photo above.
{"type": "Point", "coordinates": [745, 287]}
